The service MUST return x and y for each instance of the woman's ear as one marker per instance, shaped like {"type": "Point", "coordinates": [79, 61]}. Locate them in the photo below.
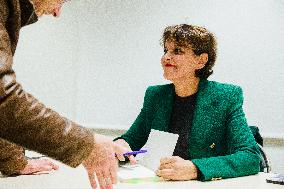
{"type": "Point", "coordinates": [203, 59]}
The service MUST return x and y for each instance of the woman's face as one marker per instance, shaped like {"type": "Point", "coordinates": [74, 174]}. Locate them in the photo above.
{"type": "Point", "coordinates": [179, 63]}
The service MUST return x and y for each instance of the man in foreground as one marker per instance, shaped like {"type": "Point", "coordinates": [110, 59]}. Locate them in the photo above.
{"type": "Point", "coordinates": [25, 122]}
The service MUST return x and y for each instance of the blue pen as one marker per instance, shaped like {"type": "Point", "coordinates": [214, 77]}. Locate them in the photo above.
{"type": "Point", "coordinates": [134, 152]}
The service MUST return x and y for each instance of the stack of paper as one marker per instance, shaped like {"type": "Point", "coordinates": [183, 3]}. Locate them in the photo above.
{"type": "Point", "coordinates": [135, 173]}
{"type": "Point", "coordinates": [159, 144]}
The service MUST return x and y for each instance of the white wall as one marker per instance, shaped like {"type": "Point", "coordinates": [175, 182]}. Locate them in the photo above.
{"type": "Point", "coordinates": [94, 63]}
{"type": "Point", "coordinates": [46, 58]}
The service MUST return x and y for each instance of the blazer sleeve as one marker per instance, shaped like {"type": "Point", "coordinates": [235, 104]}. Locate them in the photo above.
{"type": "Point", "coordinates": [28, 123]}
{"type": "Point", "coordinates": [243, 155]}
{"type": "Point", "coordinates": [137, 135]}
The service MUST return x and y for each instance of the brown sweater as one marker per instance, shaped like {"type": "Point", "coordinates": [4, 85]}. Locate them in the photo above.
{"type": "Point", "coordinates": [24, 121]}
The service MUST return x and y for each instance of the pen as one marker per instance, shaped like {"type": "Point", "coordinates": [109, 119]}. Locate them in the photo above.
{"type": "Point", "coordinates": [134, 152]}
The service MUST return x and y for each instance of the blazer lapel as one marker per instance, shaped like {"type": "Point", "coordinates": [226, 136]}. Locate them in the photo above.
{"type": "Point", "coordinates": [200, 118]}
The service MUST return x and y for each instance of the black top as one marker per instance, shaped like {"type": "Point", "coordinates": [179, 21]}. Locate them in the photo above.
{"type": "Point", "coordinates": [181, 122]}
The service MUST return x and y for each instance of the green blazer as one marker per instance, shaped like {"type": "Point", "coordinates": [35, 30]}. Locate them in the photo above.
{"type": "Point", "coordinates": [221, 144]}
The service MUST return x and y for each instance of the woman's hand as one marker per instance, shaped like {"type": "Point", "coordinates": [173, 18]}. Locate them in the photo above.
{"type": "Point", "coordinates": [124, 148]}
{"type": "Point", "coordinates": [176, 168]}
{"type": "Point", "coordinates": [38, 166]}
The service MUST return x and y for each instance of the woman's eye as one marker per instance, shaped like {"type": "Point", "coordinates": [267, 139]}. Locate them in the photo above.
{"type": "Point", "coordinates": [165, 51]}
{"type": "Point", "coordinates": [177, 51]}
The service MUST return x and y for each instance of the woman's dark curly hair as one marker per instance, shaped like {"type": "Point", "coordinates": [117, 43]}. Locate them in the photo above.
{"type": "Point", "coordinates": [199, 39]}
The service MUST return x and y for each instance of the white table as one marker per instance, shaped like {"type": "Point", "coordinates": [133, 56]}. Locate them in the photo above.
{"type": "Point", "coordinates": [69, 178]}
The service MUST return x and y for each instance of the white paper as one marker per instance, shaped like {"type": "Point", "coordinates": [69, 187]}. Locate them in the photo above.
{"type": "Point", "coordinates": [159, 144]}
{"type": "Point", "coordinates": [137, 171]}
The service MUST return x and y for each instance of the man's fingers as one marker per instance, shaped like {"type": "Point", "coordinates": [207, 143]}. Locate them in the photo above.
{"type": "Point", "coordinates": [43, 170]}
{"type": "Point", "coordinates": [111, 169]}
{"type": "Point", "coordinates": [103, 162]}
{"type": "Point", "coordinates": [92, 180]}
{"type": "Point", "coordinates": [113, 172]}
{"type": "Point", "coordinates": [45, 164]}
{"type": "Point", "coordinates": [53, 165]}
{"type": "Point", "coordinates": [108, 179]}
{"type": "Point", "coordinates": [105, 179]}
{"type": "Point", "coordinates": [46, 168]}
{"type": "Point", "coordinates": [40, 173]}
{"type": "Point", "coordinates": [101, 179]}
{"type": "Point", "coordinates": [39, 166]}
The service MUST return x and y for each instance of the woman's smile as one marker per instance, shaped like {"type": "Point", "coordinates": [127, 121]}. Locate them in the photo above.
{"type": "Point", "coordinates": [170, 66]}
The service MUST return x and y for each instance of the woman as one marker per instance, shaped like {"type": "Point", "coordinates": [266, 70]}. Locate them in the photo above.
{"type": "Point", "coordinates": [214, 139]}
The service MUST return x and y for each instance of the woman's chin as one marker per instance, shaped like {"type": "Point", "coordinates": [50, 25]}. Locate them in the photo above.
{"type": "Point", "coordinates": [168, 77]}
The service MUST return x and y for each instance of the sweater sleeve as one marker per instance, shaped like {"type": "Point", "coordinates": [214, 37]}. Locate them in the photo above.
{"type": "Point", "coordinates": [12, 158]}
{"type": "Point", "coordinates": [28, 123]}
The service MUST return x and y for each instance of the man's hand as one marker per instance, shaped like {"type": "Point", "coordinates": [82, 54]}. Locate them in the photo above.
{"type": "Point", "coordinates": [176, 168]}
{"type": "Point", "coordinates": [38, 166]}
{"type": "Point", "coordinates": [102, 161]}
{"type": "Point", "coordinates": [124, 147]}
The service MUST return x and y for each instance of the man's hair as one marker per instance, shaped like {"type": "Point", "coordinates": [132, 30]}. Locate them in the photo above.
{"type": "Point", "coordinates": [199, 39]}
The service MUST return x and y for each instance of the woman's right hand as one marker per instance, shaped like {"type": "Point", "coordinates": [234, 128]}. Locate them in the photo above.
{"type": "Point", "coordinates": [125, 148]}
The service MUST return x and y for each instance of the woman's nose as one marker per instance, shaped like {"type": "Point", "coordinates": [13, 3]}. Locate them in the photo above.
{"type": "Point", "coordinates": [167, 56]}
